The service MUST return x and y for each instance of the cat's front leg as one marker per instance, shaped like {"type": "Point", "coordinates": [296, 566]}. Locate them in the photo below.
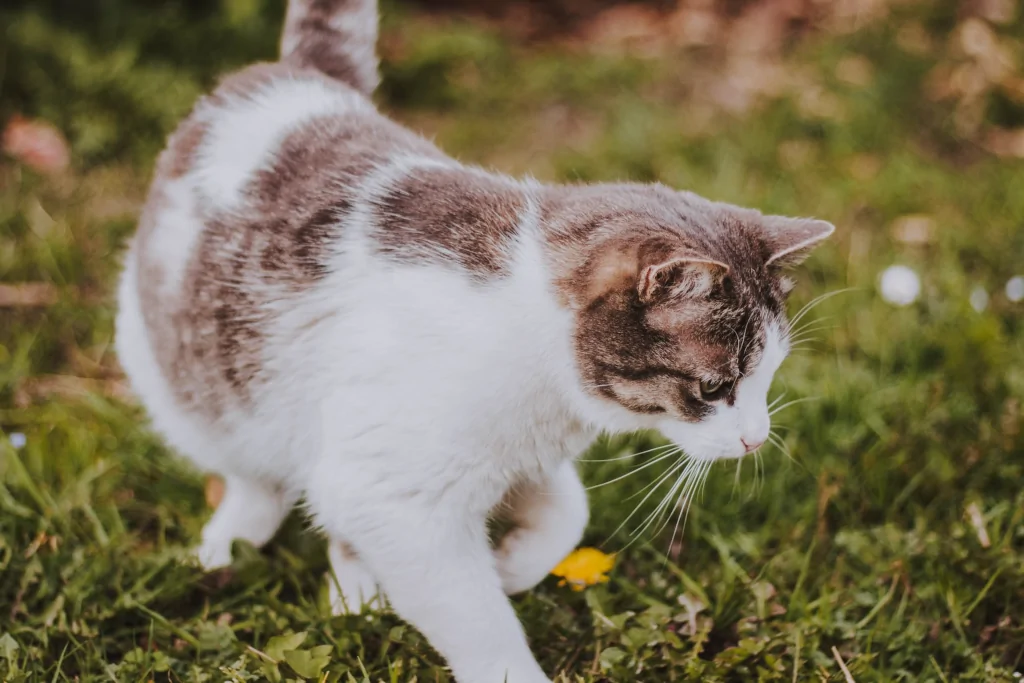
{"type": "Point", "coordinates": [250, 511]}
{"type": "Point", "coordinates": [550, 517]}
{"type": "Point", "coordinates": [437, 570]}
{"type": "Point", "coordinates": [352, 587]}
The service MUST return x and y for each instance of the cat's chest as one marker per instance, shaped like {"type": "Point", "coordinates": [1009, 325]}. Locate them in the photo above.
{"type": "Point", "coordinates": [536, 436]}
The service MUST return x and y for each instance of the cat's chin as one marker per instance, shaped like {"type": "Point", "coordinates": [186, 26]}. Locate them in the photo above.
{"type": "Point", "coordinates": [699, 445]}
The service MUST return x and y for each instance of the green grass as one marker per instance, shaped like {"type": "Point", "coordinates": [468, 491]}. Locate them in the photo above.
{"type": "Point", "coordinates": [859, 545]}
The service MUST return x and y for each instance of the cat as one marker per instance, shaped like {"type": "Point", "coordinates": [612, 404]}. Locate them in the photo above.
{"type": "Point", "coordinates": [320, 304]}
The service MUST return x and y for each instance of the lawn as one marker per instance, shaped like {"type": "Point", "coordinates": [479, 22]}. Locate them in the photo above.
{"type": "Point", "coordinates": [880, 539]}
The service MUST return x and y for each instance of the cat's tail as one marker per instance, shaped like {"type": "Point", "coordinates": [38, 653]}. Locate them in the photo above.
{"type": "Point", "coordinates": [337, 37]}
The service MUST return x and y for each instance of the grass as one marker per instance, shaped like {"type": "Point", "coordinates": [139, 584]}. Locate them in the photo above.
{"type": "Point", "coordinates": [889, 547]}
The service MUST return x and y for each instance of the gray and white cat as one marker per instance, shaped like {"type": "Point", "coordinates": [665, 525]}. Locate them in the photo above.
{"type": "Point", "coordinates": [321, 304]}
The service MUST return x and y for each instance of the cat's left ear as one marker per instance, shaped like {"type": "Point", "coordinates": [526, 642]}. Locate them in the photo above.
{"type": "Point", "coordinates": [791, 240]}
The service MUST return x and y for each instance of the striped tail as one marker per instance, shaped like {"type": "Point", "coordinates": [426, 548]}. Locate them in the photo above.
{"type": "Point", "coordinates": [337, 37]}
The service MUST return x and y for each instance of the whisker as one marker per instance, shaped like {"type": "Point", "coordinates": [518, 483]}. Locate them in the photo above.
{"type": "Point", "coordinates": [629, 456]}
{"type": "Point", "coordinates": [683, 462]}
{"type": "Point", "coordinates": [656, 514]}
{"type": "Point", "coordinates": [793, 403]}
{"type": "Point", "coordinates": [774, 440]}
{"type": "Point", "coordinates": [652, 461]}
{"type": "Point", "coordinates": [686, 502]}
{"type": "Point", "coordinates": [807, 335]}
{"type": "Point", "coordinates": [812, 325]}
{"type": "Point", "coordinates": [736, 478]}
{"type": "Point", "coordinates": [821, 298]}
{"type": "Point", "coordinates": [672, 501]}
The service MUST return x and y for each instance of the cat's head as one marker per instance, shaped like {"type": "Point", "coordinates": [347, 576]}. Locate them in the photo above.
{"type": "Point", "coordinates": [679, 305]}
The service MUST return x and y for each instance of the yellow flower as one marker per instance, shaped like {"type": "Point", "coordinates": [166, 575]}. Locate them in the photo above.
{"type": "Point", "coordinates": [584, 567]}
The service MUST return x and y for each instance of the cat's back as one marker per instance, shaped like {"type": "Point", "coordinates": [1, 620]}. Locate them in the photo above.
{"type": "Point", "coordinates": [249, 204]}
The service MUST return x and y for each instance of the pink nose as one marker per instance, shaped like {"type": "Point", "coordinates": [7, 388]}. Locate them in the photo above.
{"type": "Point", "coordinates": [751, 447]}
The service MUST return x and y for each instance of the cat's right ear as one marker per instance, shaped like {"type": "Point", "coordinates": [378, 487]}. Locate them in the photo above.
{"type": "Point", "coordinates": [679, 275]}
{"type": "Point", "coordinates": [791, 240]}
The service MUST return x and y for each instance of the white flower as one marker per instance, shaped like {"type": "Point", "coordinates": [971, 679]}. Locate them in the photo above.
{"type": "Point", "coordinates": [979, 299]}
{"type": "Point", "coordinates": [17, 439]}
{"type": "Point", "coordinates": [1015, 288]}
{"type": "Point", "coordinates": [900, 285]}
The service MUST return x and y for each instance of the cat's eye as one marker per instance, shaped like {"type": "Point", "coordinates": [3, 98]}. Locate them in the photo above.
{"type": "Point", "coordinates": [712, 390]}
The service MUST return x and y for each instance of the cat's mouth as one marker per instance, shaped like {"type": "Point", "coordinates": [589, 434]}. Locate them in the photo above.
{"type": "Point", "coordinates": [705, 441]}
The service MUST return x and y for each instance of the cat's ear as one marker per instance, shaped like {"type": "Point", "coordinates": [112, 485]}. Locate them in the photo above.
{"type": "Point", "coordinates": [791, 240]}
{"type": "Point", "coordinates": [689, 275]}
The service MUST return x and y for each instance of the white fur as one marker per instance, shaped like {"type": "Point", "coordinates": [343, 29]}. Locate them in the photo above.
{"type": "Point", "coordinates": [177, 233]}
{"type": "Point", "coordinates": [244, 135]}
{"type": "Point", "coordinates": [407, 402]}
{"type": "Point", "coordinates": [733, 431]}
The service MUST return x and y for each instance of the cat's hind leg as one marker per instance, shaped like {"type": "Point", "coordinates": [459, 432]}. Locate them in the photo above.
{"type": "Point", "coordinates": [249, 511]}
{"type": "Point", "coordinates": [550, 516]}
{"type": "Point", "coordinates": [352, 586]}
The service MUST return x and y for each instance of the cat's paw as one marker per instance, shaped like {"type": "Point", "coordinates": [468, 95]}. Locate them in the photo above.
{"type": "Point", "coordinates": [519, 565]}
{"type": "Point", "coordinates": [213, 552]}
{"type": "Point", "coordinates": [355, 589]}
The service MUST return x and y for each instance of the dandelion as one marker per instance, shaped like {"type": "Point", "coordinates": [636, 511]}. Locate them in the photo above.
{"type": "Point", "coordinates": [18, 440]}
{"type": "Point", "coordinates": [979, 299]}
{"type": "Point", "coordinates": [1015, 288]}
{"type": "Point", "coordinates": [900, 285]}
{"type": "Point", "coordinates": [584, 567]}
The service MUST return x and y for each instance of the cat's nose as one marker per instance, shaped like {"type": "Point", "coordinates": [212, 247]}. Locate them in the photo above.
{"type": "Point", "coordinates": [751, 447]}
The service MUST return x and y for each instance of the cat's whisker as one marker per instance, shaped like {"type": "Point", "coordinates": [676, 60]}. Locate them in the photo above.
{"type": "Point", "coordinates": [776, 441]}
{"type": "Point", "coordinates": [743, 341]}
{"type": "Point", "coordinates": [672, 501]}
{"type": "Point", "coordinates": [736, 479]}
{"type": "Point", "coordinates": [630, 473]}
{"type": "Point", "coordinates": [667, 499]}
{"type": "Point", "coordinates": [804, 339]}
{"type": "Point", "coordinates": [686, 503]}
{"type": "Point", "coordinates": [812, 325]}
{"type": "Point", "coordinates": [661, 478]}
{"type": "Point", "coordinates": [655, 521]}
{"type": "Point", "coordinates": [816, 301]}
{"type": "Point", "coordinates": [630, 456]}
{"type": "Point", "coordinates": [792, 403]}
{"type": "Point", "coordinates": [805, 335]}
{"type": "Point", "coordinates": [683, 462]}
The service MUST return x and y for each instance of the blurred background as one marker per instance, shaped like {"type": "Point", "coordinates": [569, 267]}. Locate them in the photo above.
{"type": "Point", "coordinates": [880, 539]}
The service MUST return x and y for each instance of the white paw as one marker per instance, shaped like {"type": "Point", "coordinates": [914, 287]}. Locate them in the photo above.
{"type": "Point", "coordinates": [519, 568]}
{"type": "Point", "coordinates": [214, 552]}
{"type": "Point", "coordinates": [355, 589]}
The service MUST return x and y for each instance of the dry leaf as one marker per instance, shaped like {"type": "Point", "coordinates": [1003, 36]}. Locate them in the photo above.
{"type": "Point", "coordinates": [36, 144]}
{"type": "Point", "coordinates": [996, 11]}
{"type": "Point", "coordinates": [28, 295]}
{"type": "Point", "coordinates": [914, 38]}
{"type": "Point", "coordinates": [855, 70]}
{"type": "Point", "coordinates": [865, 166]}
{"type": "Point", "coordinates": [69, 387]}
{"type": "Point", "coordinates": [1005, 142]}
{"type": "Point", "coordinates": [978, 522]}
{"type": "Point", "coordinates": [795, 154]}
{"type": "Point", "coordinates": [914, 229]}
{"type": "Point", "coordinates": [625, 28]}
{"type": "Point", "coordinates": [694, 26]}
